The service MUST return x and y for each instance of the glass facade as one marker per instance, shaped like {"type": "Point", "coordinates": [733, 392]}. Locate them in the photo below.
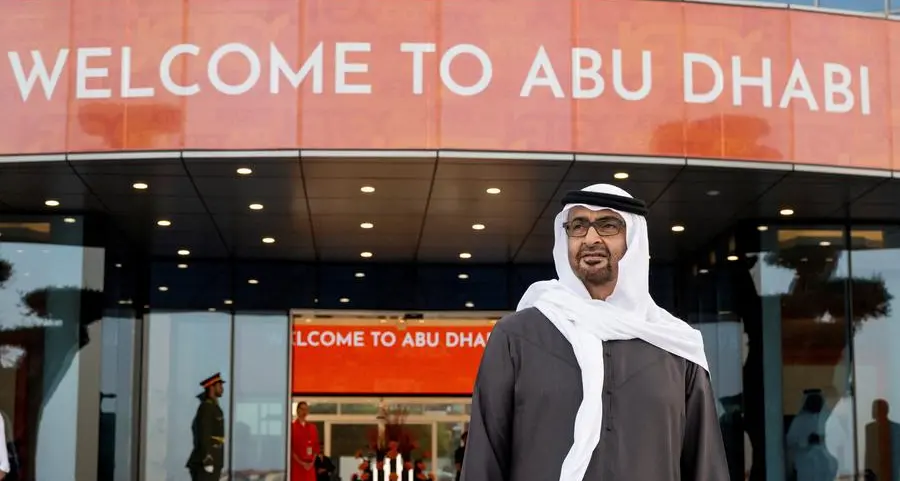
{"type": "Point", "coordinates": [875, 266]}
{"type": "Point", "coordinates": [51, 342]}
{"type": "Point", "coordinates": [250, 352]}
{"type": "Point", "coordinates": [261, 394]}
{"type": "Point", "coordinates": [800, 328]}
{"type": "Point", "coordinates": [101, 352]}
{"type": "Point", "coordinates": [182, 349]}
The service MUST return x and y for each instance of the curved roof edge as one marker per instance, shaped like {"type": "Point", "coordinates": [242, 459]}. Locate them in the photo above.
{"type": "Point", "coordinates": [783, 166]}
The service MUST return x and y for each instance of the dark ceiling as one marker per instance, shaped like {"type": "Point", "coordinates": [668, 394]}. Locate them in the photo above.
{"type": "Point", "coordinates": [423, 206]}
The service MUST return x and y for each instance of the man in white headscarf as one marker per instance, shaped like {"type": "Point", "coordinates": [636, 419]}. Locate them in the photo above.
{"type": "Point", "coordinates": [590, 379]}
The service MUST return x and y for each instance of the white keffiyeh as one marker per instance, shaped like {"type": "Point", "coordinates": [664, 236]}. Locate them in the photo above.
{"type": "Point", "coordinates": [629, 313]}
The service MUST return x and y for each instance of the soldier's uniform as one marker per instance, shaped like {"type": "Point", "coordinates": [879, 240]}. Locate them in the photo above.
{"type": "Point", "coordinates": [208, 456]}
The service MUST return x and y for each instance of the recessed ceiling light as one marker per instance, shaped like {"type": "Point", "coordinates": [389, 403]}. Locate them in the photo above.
{"type": "Point", "coordinates": [344, 300]}
{"type": "Point", "coordinates": [163, 223]}
{"type": "Point", "coordinates": [463, 276]}
{"type": "Point", "coordinates": [786, 212]}
{"type": "Point", "coordinates": [252, 281]}
{"type": "Point", "coordinates": [762, 228]}
{"type": "Point", "coordinates": [51, 203]}
{"type": "Point", "coordinates": [163, 288]}
{"type": "Point", "coordinates": [256, 207]}
{"type": "Point", "coordinates": [212, 309]}
{"type": "Point", "coordinates": [182, 266]}
{"type": "Point", "coordinates": [712, 193]}
{"type": "Point", "coordinates": [367, 225]}
{"type": "Point", "coordinates": [118, 266]}
{"type": "Point", "coordinates": [245, 171]}
{"type": "Point", "coordinates": [493, 190]}
{"type": "Point", "coordinates": [367, 189]}
{"type": "Point", "coordinates": [621, 175]}
{"type": "Point", "coordinates": [824, 243]}
{"type": "Point", "coordinates": [359, 275]}
{"type": "Point", "coordinates": [365, 254]}
{"type": "Point", "coordinates": [184, 252]}
{"type": "Point", "coordinates": [69, 220]}
{"type": "Point", "coordinates": [268, 240]}
{"type": "Point", "coordinates": [677, 228]}
{"type": "Point", "coordinates": [465, 255]}
{"type": "Point", "coordinates": [732, 258]}
{"type": "Point", "coordinates": [229, 302]}
{"type": "Point", "coordinates": [470, 304]}
{"type": "Point", "coordinates": [140, 185]}
{"type": "Point", "coordinates": [704, 271]}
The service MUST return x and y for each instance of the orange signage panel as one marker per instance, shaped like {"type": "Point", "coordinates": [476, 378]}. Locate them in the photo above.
{"type": "Point", "coordinates": [368, 359]}
{"type": "Point", "coordinates": [607, 77]}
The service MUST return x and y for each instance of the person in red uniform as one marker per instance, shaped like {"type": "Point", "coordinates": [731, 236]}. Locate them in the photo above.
{"type": "Point", "coordinates": [304, 446]}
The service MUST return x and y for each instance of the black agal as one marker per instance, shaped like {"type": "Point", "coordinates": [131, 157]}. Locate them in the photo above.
{"type": "Point", "coordinates": [612, 201]}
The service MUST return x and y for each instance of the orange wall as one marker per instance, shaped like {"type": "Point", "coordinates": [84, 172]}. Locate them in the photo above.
{"type": "Point", "coordinates": [379, 106]}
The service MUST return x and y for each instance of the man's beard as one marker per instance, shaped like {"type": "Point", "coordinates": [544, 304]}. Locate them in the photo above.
{"type": "Point", "coordinates": [601, 272]}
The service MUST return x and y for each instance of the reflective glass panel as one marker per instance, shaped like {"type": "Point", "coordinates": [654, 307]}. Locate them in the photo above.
{"type": "Point", "coordinates": [449, 437]}
{"type": "Point", "coordinates": [182, 349]}
{"type": "Point", "coordinates": [802, 279]}
{"type": "Point", "coordinates": [261, 395]}
{"type": "Point", "coordinates": [875, 264]}
{"type": "Point", "coordinates": [348, 441]}
{"type": "Point", "coordinates": [867, 6]}
{"type": "Point", "coordinates": [51, 299]}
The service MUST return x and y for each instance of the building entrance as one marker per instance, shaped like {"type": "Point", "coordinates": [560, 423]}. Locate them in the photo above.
{"type": "Point", "coordinates": [352, 428]}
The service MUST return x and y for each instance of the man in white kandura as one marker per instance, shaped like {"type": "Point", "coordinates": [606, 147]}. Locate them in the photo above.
{"type": "Point", "coordinates": [590, 379]}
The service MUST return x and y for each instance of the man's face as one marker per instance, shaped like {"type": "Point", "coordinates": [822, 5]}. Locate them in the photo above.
{"type": "Point", "coordinates": [596, 244]}
{"type": "Point", "coordinates": [302, 411]}
{"type": "Point", "coordinates": [216, 390]}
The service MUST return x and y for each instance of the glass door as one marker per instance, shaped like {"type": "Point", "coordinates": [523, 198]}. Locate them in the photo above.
{"type": "Point", "coordinates": [434, 442]}
{"type": "Point", "coordinates": [350, 427]}
{"type": "Point", "coordinates": [346, 442]}
{"type": "Point", "coordinates": [447, 441]}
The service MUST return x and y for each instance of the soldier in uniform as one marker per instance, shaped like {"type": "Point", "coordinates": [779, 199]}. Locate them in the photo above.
{"type": "Point", "coordinates": [208, 455]}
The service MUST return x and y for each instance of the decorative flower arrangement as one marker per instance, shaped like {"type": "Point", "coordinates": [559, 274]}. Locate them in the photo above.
{"type": "Point", "coordinates": [390, 440]}
{"type": "Point", "coordinates": [393, 437]}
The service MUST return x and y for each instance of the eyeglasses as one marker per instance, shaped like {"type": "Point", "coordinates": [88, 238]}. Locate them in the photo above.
{"type": "Point", "coordinates": [605, 227]}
